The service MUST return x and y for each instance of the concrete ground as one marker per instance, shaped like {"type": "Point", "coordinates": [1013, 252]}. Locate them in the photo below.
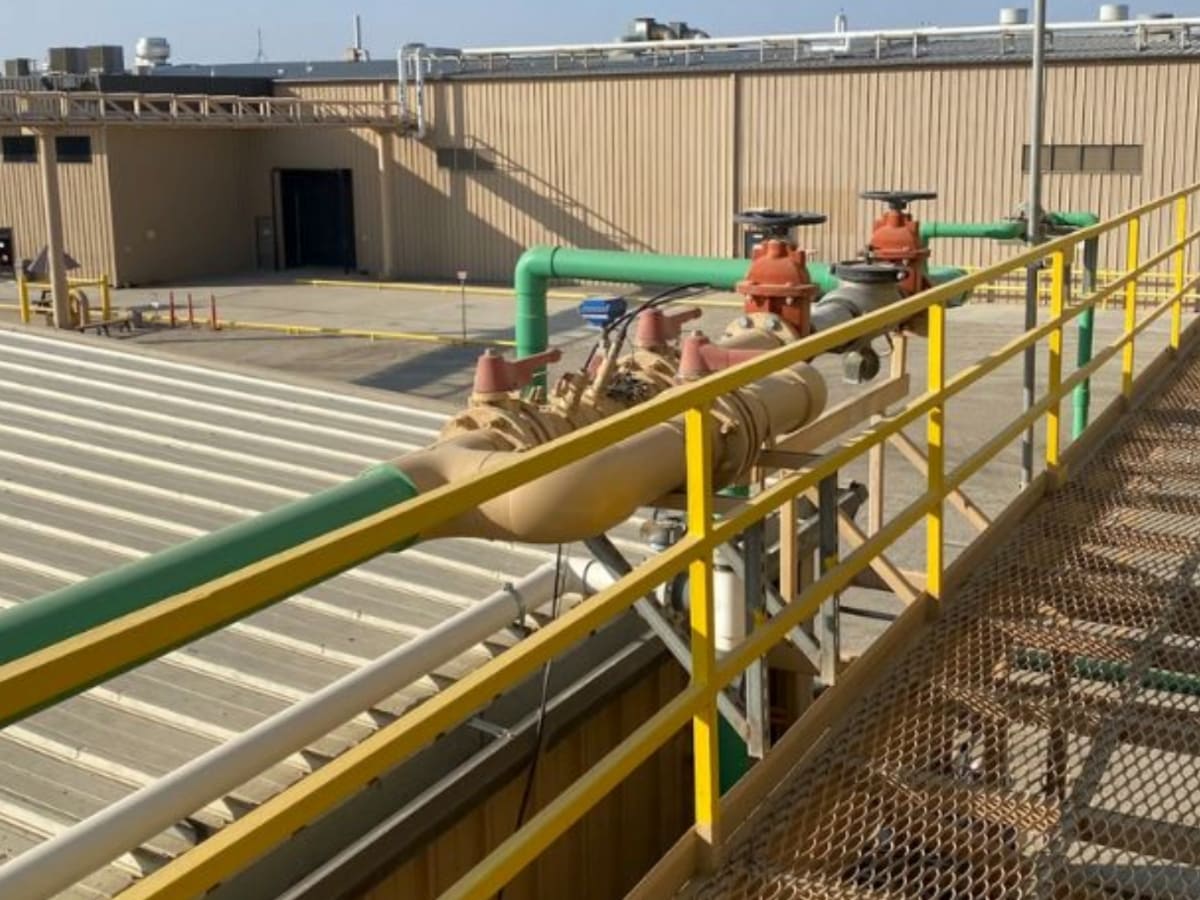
{"type": "Point", "coordinates": [443, 372]}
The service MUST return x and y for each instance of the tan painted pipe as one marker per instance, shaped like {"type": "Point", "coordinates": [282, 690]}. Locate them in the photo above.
{"type": "Point", "coordinates": [594, 494]}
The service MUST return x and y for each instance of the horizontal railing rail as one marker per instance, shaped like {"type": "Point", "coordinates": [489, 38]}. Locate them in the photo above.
{"type": "Point", "coordinates": [48, 108]}
{"type": "Point", "coordinates": [45, 676]}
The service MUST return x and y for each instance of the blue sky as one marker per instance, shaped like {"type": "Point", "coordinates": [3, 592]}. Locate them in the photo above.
{"type": "Point", "coordinates": [224, 30]}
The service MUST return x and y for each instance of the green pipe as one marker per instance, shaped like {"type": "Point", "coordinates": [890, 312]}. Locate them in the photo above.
{"type": "Point", "coordinates": [538, 265]}
{"type": "Point", "coordinates": [997, 231]}
{"type": "Point", "coordinates": [1081, 398]}
{"type": "Point", "coordinates": [56, 616]}
{"type": "Point", "coordinates": [1072, 219]}
{"type": "Point", "coordinates": [1111, 672]}
{"type": "Point", "coordinates": [733, 759]}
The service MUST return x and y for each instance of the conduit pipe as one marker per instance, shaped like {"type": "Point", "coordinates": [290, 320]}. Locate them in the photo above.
{"type": "Point", "coordinates": [88, 845]}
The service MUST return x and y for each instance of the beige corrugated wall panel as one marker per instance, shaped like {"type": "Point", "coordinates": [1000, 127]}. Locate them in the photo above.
{"type": "Point", "coordinates": [83, 187]}
{"type": "Point", "coordinates": [1148, 104]}
{"type": "Point", "coordinates": [815, 140]}
{"type": "Point", "coordinates": [179, 203]}
{"type": "Point", "coordinates": [659, 163]}
{"type": "Point", "coordinates": [640, 164]}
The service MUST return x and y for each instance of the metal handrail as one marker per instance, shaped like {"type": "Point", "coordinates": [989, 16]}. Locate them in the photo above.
{"type": "Point", "coordinates": [823, 43]}
{"type": "Point", "coordinates": [35, 680]}
{"type": "Point", "coordinates": [61, 107]}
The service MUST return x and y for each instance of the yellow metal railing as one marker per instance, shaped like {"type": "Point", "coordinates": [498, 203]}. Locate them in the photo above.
{"type": "Point", "coordinates": [74, 286]}
{"type": "Point", "coordinates": [88, 657]}
{"type": "Point", "coordinates": [1152, 286]}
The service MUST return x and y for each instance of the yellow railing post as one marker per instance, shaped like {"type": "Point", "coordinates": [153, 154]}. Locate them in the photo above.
{"type": "Point", "coordinates": [934, 561]}
{"type": "Point", "coordinates": [23, 299]}
{"type": "Point", "coordinates": [706, 765]}
{"type": "Point", "coordinates": [1058, 301]}
{"type": "Point", "coordinates": [1181, 226]}
{"type": "Point", "coordinates": [1132, 239]}
{"type": "Point", "coordinates": [105, 299]}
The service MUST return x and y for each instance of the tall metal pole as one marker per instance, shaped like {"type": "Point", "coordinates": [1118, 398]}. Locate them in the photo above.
{"type": "Point", "coordinates": [1033, 220]}
{"type": "Point", "coordinates": [56, 267]}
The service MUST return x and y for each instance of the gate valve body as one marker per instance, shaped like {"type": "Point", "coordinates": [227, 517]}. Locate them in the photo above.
{"type": "Point", "coordinates": [496, 377]}
{"type": "Point", "coordinates": [656, 329]}
{"type": "Point", "coordinates": [698, 356]}
{"type": "Point", "coordinates": [896, 238]}
{"type": "Point", "coordinates": [777, 280]}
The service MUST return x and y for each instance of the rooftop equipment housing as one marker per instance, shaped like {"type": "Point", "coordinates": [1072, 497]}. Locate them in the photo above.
{"type": "Point", "coordinates": [152, 52]}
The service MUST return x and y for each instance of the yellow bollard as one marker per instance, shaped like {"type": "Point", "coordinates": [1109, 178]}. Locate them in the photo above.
{"type": "Point", "coordinates": [105, 299]}
{"type": "Point", "coordinates": [23, 297]}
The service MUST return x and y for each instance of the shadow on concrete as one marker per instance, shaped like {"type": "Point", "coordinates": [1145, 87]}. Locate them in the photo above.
{"type": "Point", "coordinates": [445, 372]}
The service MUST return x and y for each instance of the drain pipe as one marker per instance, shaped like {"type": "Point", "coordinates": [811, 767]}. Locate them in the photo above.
{"type": "Point", "coordinates": [88, 845]}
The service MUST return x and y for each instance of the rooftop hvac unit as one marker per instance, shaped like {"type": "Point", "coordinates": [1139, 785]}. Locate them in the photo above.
{"type": "Point", "coordinates": [1114, 12]}
{"type": "Point", "coordinates": [1014, 15]}
{"type": "Point", "coordinates": [67, 60]}
{"type": "Point", "coordinates": [18, 68]}
{"type": "Point", "coordinates": [107, 59]}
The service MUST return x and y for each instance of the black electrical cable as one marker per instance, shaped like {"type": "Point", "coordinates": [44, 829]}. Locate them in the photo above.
{"type": "Point", "coordinates": [670, 295]}
{"type": "Point", "coordinates": [539, 735]}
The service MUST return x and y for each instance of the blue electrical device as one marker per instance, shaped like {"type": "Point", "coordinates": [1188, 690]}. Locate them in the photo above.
{"type": "Point", "coordinates": [600, 312]}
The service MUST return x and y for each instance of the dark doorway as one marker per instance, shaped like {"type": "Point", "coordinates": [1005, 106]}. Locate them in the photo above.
{"type": "Point", "coordinates": [317, 209]}
{"type": "Point", "coordinates": [7, 254]}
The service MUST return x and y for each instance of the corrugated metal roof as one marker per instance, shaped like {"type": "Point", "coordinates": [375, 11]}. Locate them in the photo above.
{"type": "Point", "coordinates": [108, 454]}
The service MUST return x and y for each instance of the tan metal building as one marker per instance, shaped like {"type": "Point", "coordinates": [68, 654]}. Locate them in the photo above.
{"type": "Point", "coordinates": [641, 156]}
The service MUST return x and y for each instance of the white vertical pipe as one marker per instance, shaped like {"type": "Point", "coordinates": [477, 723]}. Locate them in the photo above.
{"type": "Point", "coordinates": [58, 863]}
{"type": "Point", "coordinates": [402, 85]}
{"type": "Point", "coordinates": [420, 87]}
{"type": "Point", "coordinates": [729, 608]}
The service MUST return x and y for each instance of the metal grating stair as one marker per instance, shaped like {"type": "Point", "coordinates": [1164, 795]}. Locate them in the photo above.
{"type": "Point", "coordinates": [1043, 739]}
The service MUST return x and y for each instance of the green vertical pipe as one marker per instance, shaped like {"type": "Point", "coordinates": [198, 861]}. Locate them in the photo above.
{"type": "Point", "coordinates": [56, 616]}
{"type": "Point", "coordinates": [733, 759]}
{"type": "Point", "coordinates": [1082, 397]}
{"type": "Point", "coordinates": [538, 265]}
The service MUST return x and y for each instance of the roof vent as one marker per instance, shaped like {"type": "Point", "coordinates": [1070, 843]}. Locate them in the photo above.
{"type": "Point", "coordinates": [1014, 15]}
{"type": "Point", "coordinates": [152, 52]}
{"type": "Point", "coordinates": [1114, 12]}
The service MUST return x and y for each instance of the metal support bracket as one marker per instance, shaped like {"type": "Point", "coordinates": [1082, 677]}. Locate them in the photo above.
{"type": "Point", "coordinates": [607, 554]}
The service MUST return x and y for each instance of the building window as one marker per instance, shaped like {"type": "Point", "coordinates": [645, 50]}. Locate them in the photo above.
{"type": "Point", "coordinates": [1125, 159]}
{"type": "Point", "coordinates": [17, 149]}
{"type": "Point", "coordinates": [73, 148]}
{"type": "Point", "coordinates": [464, 159]}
